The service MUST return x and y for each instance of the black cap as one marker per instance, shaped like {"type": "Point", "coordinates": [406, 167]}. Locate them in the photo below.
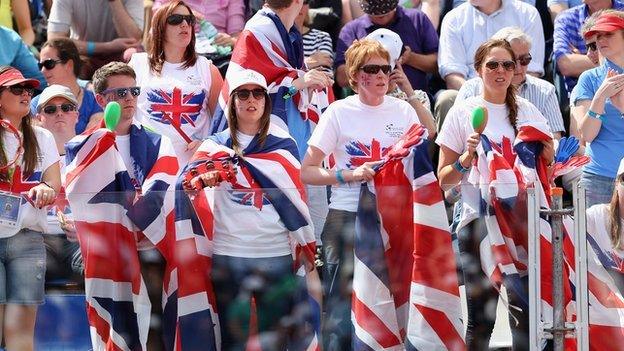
{"type": "Point", "coordinates": [378, 7]}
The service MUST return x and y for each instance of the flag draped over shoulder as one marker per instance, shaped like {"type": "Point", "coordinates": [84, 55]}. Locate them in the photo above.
{"type": "Point", "coordinates": [266, 47]}
{"type": "Point", "coordinates": [116, 214]}
{"type": "Point", "coordinates": [268, 172]}
{"type": "Point", "coordinates": [405, 286]}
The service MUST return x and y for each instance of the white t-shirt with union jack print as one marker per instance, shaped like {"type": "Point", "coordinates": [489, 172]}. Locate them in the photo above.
{"type": "Point", "coordinates": [356, 133]}
{"type": "Point", "coordinates": [174, 103]}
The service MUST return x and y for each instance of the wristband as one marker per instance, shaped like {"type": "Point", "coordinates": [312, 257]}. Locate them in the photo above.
{"type": "Point", "coordinates": [339, 177]}
{"type": "Point", "coordinates": [595, 115]}
{"type": "Point", "coordinates": [291, 91]}
{"type": "Point", "coordinates": [459, 167]}
{"type": "Point", "coordinates": [90, 48]}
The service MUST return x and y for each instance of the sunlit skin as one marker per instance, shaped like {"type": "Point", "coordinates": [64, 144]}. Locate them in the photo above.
{"type": "Point", "coordinates": [371, 88]}
{"type": "Point", "coordinates": [62, 73]}
{"type": "Point", "coordinates": [610, 44]}
{"type": "Point", "coordinates": [496, 82]}
{"type": "Point", "coordinates": [520, 48]}
{"type": "Point", "coordinates": [60, 122]}
{"type": "Point", "coordinates": [249, 112]}
{"type": "Point", "coordinates": [179, 36]}
{"type": "Point", "coordinates": [128, 103]}
{"type": "Point", "coordinates": [14, 107]}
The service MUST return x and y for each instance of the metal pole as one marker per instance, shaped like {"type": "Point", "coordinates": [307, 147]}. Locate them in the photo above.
{"type": "Point", "coordinates": [580, 254]}
{"type": "Point", "coordinates": [535, 321]}
{"type": "Point", "coordinates": [558, 329]}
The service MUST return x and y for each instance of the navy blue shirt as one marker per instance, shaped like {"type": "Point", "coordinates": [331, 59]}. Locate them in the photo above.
{"type": "Point", "coordinates": [414, 28]}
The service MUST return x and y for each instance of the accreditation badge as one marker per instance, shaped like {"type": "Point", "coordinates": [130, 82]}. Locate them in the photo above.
{"type": "Point", "coordinates": [10, 209]}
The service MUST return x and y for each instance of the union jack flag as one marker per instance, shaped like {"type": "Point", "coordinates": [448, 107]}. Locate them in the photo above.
{"type": "Point", "coordinates": [264, 46]}
{"type": "Point", "coordinates": [274, 167]}
{"type": "Point", "coordinates": [113, 219]}
{"type": "Point", "coordinates": [176, 109]}
{"type": "Point", "coordinates": [405, 286]}
{"type": "Point", "coordinates": [362, 153]}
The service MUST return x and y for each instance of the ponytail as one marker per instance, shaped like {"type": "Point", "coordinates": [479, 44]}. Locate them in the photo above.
{"type": "Point", "coordinates": [512, 105]}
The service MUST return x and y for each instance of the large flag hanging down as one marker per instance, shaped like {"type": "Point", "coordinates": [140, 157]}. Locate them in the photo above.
{"type": "Point", "coordinates": [265, 47]}
{"type": "Point", "coordinates": [405, 286]}
{"type": "Point", "coordinates": [268, 173]}
{"type": "Point", "coordinates": [115, 215]}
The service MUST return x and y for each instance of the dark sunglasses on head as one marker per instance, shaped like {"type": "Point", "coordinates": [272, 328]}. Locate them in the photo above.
{"type": "Point", "coordinates": [524, 60]}
{"type": "Point", "coordinates": [591, 46]}
{"type": "Point", "coordinates": [176, 19]}
{"type": "Point", "coordinates": [243, 94]}
{"type": "Point", "coordinates": [507, 65]}
{"type": "Point", "coordinates": [121, 93]}
{"type": "Point", "coordinates": [20, 89]}
{"type": "Point", "coordinates": [374, 69]}
{"type": "Point", "coordinates": [48, 64]}
{"type": "Point", "coordinates": [51, 109]}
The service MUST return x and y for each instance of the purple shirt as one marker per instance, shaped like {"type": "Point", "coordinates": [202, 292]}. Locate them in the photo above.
{"type": "Point", "coordinates": [414, 28]}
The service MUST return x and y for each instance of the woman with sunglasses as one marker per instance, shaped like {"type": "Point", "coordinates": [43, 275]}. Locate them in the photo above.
{"type": "Point", "coordinates": [179, 88]}
{"type": "Point", "coordinates": [60, 63]}
{"type": "Point", "coordinates": [495, 63]}
{"type": "Point", "coordinates": [355, 130]}
{"type": "Point", "coordinates": [29, 170]}
{"type": "Point", "coordinates": [599, 95]}
{"type": "Point", "coordinates": [253, 231]}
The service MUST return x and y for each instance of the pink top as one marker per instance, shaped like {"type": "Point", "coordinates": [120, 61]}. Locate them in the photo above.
{"type": "Point", "coordinates": [228, 16]}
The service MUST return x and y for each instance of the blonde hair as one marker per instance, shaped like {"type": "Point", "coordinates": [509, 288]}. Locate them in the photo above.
{"type": "Point", "coordinates": [358, 53]}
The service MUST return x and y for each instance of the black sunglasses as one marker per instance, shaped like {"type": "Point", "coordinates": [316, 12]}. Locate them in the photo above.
{"type": "Point", "coordinates": [507, 65]}
{"type": "Point", "coordinates": [121, 93]}
{"type": "Point", "coordinates": [49, 63]}
{"type": "Point", "coordinates": [20, 89]}
{"type": "Point", "coordinates": [51, 109]}
{"type": "Point", "coordinates": [176, 19]}
{"type": "Point", "coordinates": [524, 60]}
{"type": "Point", "coordinates": [374, 69]}
{"type": "Point", "coordinates": [243, 94]}
{"type": "Point", "coordinates": [591, 46]}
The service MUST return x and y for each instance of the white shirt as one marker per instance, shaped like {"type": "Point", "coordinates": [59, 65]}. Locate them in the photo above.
{"type": "Point", "coordinates": [180, 93]}
{"type": "Point", "coordinates": [356, 133]}
{"type": "Point", "coordinates": [123, 145]}
{"type": "Point", "coordinates": [465, 28]}
{"type": "Point", "coordinates": [31, 217]}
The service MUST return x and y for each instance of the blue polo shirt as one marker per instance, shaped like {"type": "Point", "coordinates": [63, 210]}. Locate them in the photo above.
{"type": "Point", "coordinates": [414, 28]}
{"type": "Point", "coordinates": [607, 149]}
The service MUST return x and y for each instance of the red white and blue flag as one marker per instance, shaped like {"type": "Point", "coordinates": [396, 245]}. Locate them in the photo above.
{"type": "Point", "coordinates": [176, 108]}
{"type": "Point", "coordinates": [265, 47]}
{"type": "Point", "coordinates": [268, 172]}
{"type": "Point", "coordinates": [115, 215]}
{"type": "Point", "coordinates": [405, 286]}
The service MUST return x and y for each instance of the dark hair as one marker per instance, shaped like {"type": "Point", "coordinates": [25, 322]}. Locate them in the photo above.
{"type": "Point", "coordinates": [67, 50]}
{"type": "Point", "coordinates": [278, 4]}
{"type": "Point", "coordinates": [156, 39]}
{"type": "Point", "coordinates": [233, 121]}
{"type": "Point", "coordinates": [100, 77]}
{"type": "Point", "coordinates": [31, 147]}
{"type": "Point", "coordinates": [615, 224]}
{"type": "Point", "coordinates": [479, 60]}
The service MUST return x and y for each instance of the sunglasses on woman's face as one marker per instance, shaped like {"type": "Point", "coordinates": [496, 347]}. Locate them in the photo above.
{"type": "Point", "coordinates": [48, 64]}
{"type": "Point", "coordinates": [121, 93]}
{"type": "Point", "coordinates": [20, 89]}
{"type": "Point", "coordinates": [524, 60]}
{"type": "Point", "coordinates": [374, 69]}
{"type": "Point", "coordinates": [591, 46]}
{"type": "Point", "coordinates": [507, 65]}
{"type": "Point", "coordinates": [177, 19]}
{"type": "Point", "coordinates": [51, 109]}
{"type": "Point", "coordinates": [243, 94]}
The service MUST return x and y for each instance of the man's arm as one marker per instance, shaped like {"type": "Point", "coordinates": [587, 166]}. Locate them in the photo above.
{"type": "Point", "coordinates": [21, 12]}
{"type": "Point", "coordinates": [125, 25]}
{"type": "Point", "coordinates": [424, 62]}
{"type": "Point", "coordinates": [572, 65]}
{"type": "Point", "coordinates": [454, 81]}
{"type": "Point", "coordinates": [556, 8]}
{"type": "Point", "coordinates": [114, 46]}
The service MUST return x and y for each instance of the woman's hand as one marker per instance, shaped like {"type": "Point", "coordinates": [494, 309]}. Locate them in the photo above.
{"type": "Point", "coordinates": [612, 88]}
{"type": "Point", "coordinates": [313, 79]}
{"type": "Point", "coordinates": [209, 179]}
{"type": "Point", "coordinates": [472, 142]}
{"type": "Point", "coordinates": [365, 172]}
{"type": "Point", "coordinates": [398, 77]}
{"type": "Point", "coordinates": [319, 58]}
{"type": "Point", "coordinates": [42, 194]}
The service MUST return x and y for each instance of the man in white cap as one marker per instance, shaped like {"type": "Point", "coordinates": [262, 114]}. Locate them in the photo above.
{"type": "Point", "coordinates": [57, 112]}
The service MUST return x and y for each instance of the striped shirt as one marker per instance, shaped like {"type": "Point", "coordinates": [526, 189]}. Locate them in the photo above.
{"type": "Point", "coordinates": [567, 36]}
{"type": "Point", "coordinates": [317, 40]}
{"type": "Point", "coordinates": [537, 91]}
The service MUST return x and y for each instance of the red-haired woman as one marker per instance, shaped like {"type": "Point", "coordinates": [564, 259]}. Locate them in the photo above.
{"type": "Point", "coordinates": [179, 89]}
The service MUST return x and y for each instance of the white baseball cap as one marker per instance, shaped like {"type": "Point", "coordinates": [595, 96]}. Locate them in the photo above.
{"type": "Point", "coordinates": [55, 90]}
{"type": "Point", "coordinates": [390, 40]}
{"type": "Point", "coordinates": [243, 77]}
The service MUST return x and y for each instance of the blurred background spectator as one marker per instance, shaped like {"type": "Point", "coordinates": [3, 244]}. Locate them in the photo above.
{"type": "Point", "coordinates": [317, 45]}
{"type": "Point", "coordinates": [15, 53]}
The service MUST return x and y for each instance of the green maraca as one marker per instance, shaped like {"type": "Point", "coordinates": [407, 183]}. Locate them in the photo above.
{"type": "Point", "coordinates": [112, 113]}
{"type": "Point", "coordinates": [479, 119]}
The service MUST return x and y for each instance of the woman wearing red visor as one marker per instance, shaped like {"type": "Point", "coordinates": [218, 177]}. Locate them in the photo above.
{"type": "Point", "coordinates": [601, 94]}
{"type": "Point", "coordinates": [29, 181]}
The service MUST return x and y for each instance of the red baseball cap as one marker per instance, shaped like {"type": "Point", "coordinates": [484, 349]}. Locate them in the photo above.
{"type": "Point", "coordinates": [606, 23]}
{"type": "Point", "coordinates": [13, 76]}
